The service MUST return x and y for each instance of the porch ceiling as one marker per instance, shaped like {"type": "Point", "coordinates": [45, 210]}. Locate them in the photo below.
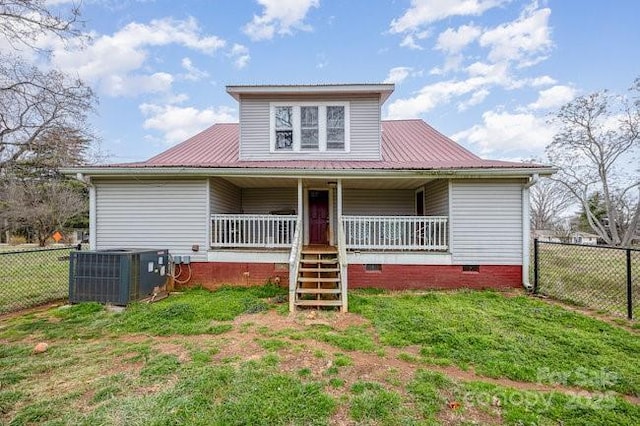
{"type": "Point", "coordinates": [377, 183]}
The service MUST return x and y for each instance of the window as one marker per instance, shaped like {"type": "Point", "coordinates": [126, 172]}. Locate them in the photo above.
{"type": "Point", "coordinates": [309, 127]}
{"type": "Point", "coordinates": [284, 128]}
{"type": "Point", "coordinates": [470, 268]}
{"type": "Point", "coordinates": [335, 127]}
{"type": "Point", "coordinates": [373, 267]}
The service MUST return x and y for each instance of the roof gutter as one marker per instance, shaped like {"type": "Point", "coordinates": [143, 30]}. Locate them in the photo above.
{"type": "Point", "coordinates": [333, 173]}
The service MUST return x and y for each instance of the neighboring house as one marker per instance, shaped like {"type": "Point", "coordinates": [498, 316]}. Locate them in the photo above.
{"type": "Point", "coordinates": [574, 237]}
{"type": "Point", "coordinates": [547, 236]}
{"type": "Point", "coordinates": [314, 188]}
{"type": "Point", "coordinates": [580, 237]}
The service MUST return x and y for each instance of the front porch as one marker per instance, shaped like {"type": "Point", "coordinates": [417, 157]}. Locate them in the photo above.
{"type": "Point", "coordinates": [272, 219]}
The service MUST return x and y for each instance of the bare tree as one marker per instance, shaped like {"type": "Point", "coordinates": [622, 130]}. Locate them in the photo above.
{"type": "Point", "coordinates": [43, 206]}
{"type": "Point", "coordinates": [24, 22]}
{"type": "Point", "coordinates": [597, 150]}
{"type": "Point", "coordinates": [549, 201]}
{"type": "Point", "coordinates": [34, 103]}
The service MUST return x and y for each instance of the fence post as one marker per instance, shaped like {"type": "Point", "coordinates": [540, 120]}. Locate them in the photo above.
{"type": "Point", "coordinates": [535, 266]}
{"type": "Point", "coordinates": [629, 288]}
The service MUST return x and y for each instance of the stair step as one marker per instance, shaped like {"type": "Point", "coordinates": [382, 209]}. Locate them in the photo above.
{"type": "Point", "coordinates": [319, 269]}
{"type": "Point", "coordinates": [320, 261]}
{"type": "Point", "coordinates": [318, 302]}
{"type": "Point", "coordinates": [318, 290]}
{"type": "Point", "coordinates": [319, 251]}
{"type": "Point", "coordinates": [318, 280]}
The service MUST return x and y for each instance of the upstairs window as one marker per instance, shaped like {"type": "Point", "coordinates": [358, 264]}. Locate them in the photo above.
{"type": "Point", "coordinates": [309, 127]}
{"type": "Point", "coordinates": [335, 127]}
{"type": "Point", "coordinates": [284, 128]}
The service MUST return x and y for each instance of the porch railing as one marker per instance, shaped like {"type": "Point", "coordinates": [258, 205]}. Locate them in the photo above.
{"type": "Point", "coordinates": [252, 230]}
{"type": "Point", "coordinates": [396, 232]}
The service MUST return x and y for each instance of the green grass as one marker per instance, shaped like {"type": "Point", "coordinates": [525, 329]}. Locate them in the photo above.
{"type": "Point", "coordinates": [515, 337]}
{"type": "Point", "coordinates": [589, 276]}
{"type": "Point", "coordinates": [170, 363]}
{"type": "Point", "coordinates": [33, 277]}
{"type": "Point", "coordinates": [196, 311]}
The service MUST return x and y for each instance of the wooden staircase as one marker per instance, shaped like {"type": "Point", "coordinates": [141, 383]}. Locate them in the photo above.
{"type": "Point", "coordinates": [318, 282]}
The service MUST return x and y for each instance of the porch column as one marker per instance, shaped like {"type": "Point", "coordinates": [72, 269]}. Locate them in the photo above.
{"type": "Point", "coordinates": [300, 198]}
{"type": "Point", "coordinates": [339, 206]}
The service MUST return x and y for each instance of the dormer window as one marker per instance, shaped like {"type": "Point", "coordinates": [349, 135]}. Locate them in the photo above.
{"type": "Point", "coordinates": [309, 126]}
{"type": "Point", "coordinates": [284, 127]}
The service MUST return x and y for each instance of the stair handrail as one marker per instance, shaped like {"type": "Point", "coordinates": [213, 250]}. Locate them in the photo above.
{"type": "Point", "coordinates": [342, 259]}
{"type": "Point", "coordinates": [294, 264]}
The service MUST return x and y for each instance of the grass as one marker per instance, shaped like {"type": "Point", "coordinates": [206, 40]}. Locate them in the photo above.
{"type": "Point", "coordinates": [589, 276]}
{"type": "Point", "coordinates": [177, 362]}
{"type": "Point", "coordinates": [514, 337]}
{"type": "Point", "coordinates": [33, 277]}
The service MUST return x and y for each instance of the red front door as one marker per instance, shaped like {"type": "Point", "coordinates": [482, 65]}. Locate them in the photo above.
{"type": "Point", "coordinates": [318, 217]}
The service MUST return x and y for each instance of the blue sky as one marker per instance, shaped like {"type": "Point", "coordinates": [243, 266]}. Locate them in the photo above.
{"type": "Point", "coordinates": [487, 73]}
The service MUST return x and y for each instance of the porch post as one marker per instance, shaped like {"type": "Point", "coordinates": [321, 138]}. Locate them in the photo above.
{"type": "Point", "coordinates": [339, 197]}
{"type": "Point", "coordinates": [300, 198]}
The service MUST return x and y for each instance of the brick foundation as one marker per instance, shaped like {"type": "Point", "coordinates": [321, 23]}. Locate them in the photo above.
{"type": "Point", "coordinates": [212, 275]}
{"type": "Point", "coordinates": [405, 277]}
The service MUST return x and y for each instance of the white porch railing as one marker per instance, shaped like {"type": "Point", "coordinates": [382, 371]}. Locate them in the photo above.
{"type": "Point", "coordinates": [396, 232]}
{"type": "Point", "coordinates": [252, 230]}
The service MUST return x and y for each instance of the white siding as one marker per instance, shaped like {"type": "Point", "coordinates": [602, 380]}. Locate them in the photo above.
{"type": "Point", "coordinates": [486, 222]}
{"type": "Point", "coordinates": [436, 196]}
{"type": "Point", "coordinates": [365, 129]}
{"type": "Point", "coordinates": [225, 197]}
{"type": "Point", "coordinates": [161, 214]}
{"type": "Point", "coordinates": [378, 202]}
{"type": "Point", "coordinates": [265, 200]}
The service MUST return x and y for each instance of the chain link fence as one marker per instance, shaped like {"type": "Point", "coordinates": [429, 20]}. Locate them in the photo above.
{"type": "Point", "coordinates": [31, 277]}
{"type": "Point", "coordinates": [597, 277]}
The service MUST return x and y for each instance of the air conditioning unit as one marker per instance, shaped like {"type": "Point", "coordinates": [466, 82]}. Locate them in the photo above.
{"type": "Point", "coordinates": [116, 276]}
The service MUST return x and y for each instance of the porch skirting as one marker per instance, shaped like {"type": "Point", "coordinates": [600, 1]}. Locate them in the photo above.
{"type": "Point", "coordinates": [213, 275]}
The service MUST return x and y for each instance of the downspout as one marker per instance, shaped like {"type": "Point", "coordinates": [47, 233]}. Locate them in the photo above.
{"type": "Point", "coordinates": [92, 209]}
{"type": "Point", "coordinates": [526, 230]}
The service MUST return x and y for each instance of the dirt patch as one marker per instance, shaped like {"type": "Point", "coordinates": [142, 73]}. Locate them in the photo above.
{"type": "Point", "coordinates": [178, 351]}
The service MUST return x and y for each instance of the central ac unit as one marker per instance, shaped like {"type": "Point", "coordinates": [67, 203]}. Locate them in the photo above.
{"type": "Point", "coordinates": [116, 276]}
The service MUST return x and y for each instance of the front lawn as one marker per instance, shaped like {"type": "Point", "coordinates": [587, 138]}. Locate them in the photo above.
{"type": "Point", "coordinates": [235, 356]}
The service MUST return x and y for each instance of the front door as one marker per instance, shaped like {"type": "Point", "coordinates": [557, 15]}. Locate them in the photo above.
{"type": "Point", "coordinates": [318, 217]}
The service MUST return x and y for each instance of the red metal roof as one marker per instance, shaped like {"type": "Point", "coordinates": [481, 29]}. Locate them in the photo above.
{"type": "Point", "coordinates": [406, 145]}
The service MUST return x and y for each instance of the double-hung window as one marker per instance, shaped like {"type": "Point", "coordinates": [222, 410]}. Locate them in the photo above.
{"type": "Point", "coordinates": [284, 128]}
{"type": "Point", "coordinates": [309, 127]}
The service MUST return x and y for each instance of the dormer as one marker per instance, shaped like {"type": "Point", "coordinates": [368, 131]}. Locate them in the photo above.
{"type": "Point", "coordinates": [310, 122]}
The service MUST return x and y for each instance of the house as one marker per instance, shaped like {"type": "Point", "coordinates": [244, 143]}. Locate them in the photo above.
{"type": "Point", "coordinates": [312, 188]}
{"type": "Point", "coordinates": [579, 237]}
{"type": "Point", "coordinates": [548, 236]}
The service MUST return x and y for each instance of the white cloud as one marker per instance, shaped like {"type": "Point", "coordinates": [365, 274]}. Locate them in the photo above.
{"type": "Point", "coordinates": [553, 97]}
{"type": "Point", "coordinates": [409, 40]}
{"type": "Point", "coordinates": [193, 73]}
{"type": "Point", "coordinates": [240, 55]}
{"type": "Point", "coordinates": [109, 60]}
{"type": "Point", "coordinates": [279, 17]}
{"type": "Point", "coordinates": [453, 41]}
{"type": "Point", "coordinates": [525, 40]}
{"type": "Point", "coordinates": [508, 132]}
{"type": "Point", "coordinates": [424, 12]}
{"type": "Point", "coordinates": [133, 85]}
{"type": "Point", "coordinates": [476, 98]}
{"type": "Point", "coordinates": [432, 95]}
{"type": "Point", "coordinates": [398, 74]}
{"type": "Point", "coordinates": [180, 123]}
